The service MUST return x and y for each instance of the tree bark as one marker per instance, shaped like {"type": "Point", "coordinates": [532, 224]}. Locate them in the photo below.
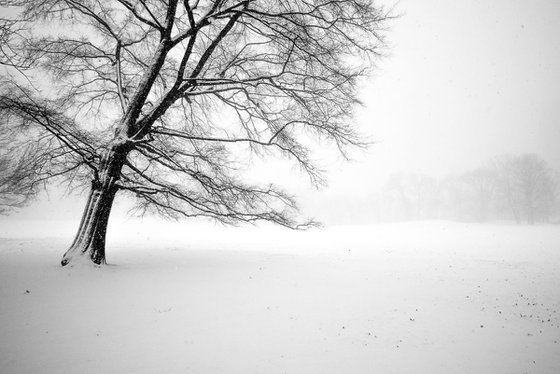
{"type": "Point", "coordinates": [89, 243]}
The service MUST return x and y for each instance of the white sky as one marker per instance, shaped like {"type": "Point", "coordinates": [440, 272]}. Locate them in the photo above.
{"type": "Point", "coordinates": [463, 81]}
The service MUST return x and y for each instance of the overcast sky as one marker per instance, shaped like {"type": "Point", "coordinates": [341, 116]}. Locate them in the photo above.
{"type": "Point", "coordinates": [463, 81]}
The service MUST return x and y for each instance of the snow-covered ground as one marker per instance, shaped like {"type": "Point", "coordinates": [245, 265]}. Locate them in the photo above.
{"type": "Point", "coordinates": [431, 297]}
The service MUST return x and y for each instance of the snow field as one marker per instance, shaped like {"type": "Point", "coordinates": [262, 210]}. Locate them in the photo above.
{"type": "Point", "coordinates": [431, 297]}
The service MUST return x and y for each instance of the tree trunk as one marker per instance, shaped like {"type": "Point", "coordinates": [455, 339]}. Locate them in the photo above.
{"type": "Point", "coordinates": [89, 243]}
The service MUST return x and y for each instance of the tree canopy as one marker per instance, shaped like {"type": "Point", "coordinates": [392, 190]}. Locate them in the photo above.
{"type": "Point", "coordinates": [160, 98]}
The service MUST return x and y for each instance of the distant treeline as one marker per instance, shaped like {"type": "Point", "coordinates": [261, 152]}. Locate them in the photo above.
{"type": "Point", "coordinates": [519, 188]}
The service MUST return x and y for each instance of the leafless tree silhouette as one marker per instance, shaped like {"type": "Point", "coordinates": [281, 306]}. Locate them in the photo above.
{"type": "Point", "coordinates": [528, 186]}
{"type": "Point", "coordinates": [158, 98]}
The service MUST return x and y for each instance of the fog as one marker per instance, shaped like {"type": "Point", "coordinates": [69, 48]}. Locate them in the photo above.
{"type": "Point", "coordinates": [461, 84]}
{"type": "Point", "coordinates": [466, 82]}
{"type": "Point", "coordinates": [439, 255]}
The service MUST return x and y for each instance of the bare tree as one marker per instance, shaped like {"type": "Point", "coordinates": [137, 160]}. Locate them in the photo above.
{"type": "Point", "coordinates": [412, 196]}
{"type": "Point", "coordinates": [534, 185]}
{"type": "Point", "coordinates": [507, 192]}
{"type": "Point", "coordinates": [480, 184]}
{"type": "Point", "coordinates": [157, 99]}
{"type": "Point", "coordinates": [15, 188]}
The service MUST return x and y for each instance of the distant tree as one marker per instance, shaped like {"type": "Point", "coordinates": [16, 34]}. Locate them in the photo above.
{"type": "Point", "coordinates": [547, 204]}
{"type": "Point", "coordinates": [412, 196]}
{"type": "Point", "coordinates": [159, 99]}
{"type": "Point", "coordinates": [507, 192]}
{"type": "Point", "coordinates": [528, 185]}
{"type": "Point", "coordinates": [451, 197]}
{"type": "Point", "coordinates": [397, 199]}
{"type": "Point", "coordinates": [481, 188]}
{"type": "Point", "coordinates": [534, 181]}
